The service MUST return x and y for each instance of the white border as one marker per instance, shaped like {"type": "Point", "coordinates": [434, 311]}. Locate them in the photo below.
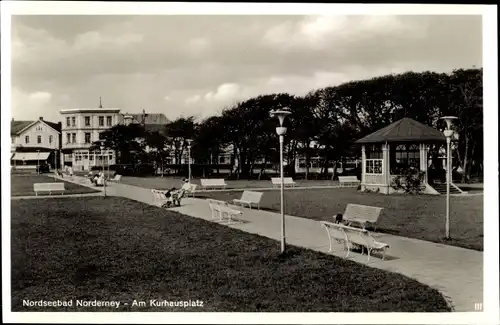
{"type": "Point", "coordinates": [491, 265]}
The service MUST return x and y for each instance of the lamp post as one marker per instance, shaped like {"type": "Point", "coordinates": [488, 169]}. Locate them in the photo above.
{"type": "Point", "coordinates": [281, 131]}
{"type": "Point", "coordinates": [448, 134]}
{"type": "Point", "coordinates": [103, 178]}
{"type": "Point", "coordinates": [38, 162]}
{"type": "Point", "coordinates": [189, 160]}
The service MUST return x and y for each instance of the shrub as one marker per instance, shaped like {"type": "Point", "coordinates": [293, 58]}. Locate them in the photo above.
{"type": "Point", "coordinates": [410, 180]}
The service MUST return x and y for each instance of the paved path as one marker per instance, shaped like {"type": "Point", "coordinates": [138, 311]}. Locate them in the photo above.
{"type": "Point", "coordinates": [456, 272]}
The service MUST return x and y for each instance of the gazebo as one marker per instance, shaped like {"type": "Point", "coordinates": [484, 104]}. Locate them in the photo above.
{"type": "Point", "coordinates": [402, 144]}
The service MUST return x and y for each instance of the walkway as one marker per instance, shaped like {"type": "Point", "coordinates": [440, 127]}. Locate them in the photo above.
{"type": "Point", "coordinates": [456, 272]}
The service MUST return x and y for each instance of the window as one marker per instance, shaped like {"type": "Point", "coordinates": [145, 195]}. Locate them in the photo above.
{"type": "Point", "coordinates": [67, 121]}
{"type": "Point", "coordinates": [374, 166]}
{"type": "Point", "coordinates": [87, 120]}
{"type": "Point", "coordinates": [87, 137]}
{"type": "Point", "coordinates": [68, 137]}
{"type": "Point", "coordinates": [73, 121]}
{"type": "Point", "coordinates": [73, 138]}
{"type": "Point", "coordinates": [101, 120]}
{"type": "Point", "coordinates": [50, 139]}
{"type": "Point", "coordinates": [404, 156]}
{"type": "Point", "coordinates": [110, 156]}
{"type": "Point", "coordinates": [39, 139]}
{"type": "Point", "coordinates": [108, 120]}
{"type": "Point", "coordinates": [85, 156]}
{"type": "Point", "coordinates": [27, 139]}
{"type": "Point", "coordinates": [91, 157]}
{"type": "Point", "coordinates": [222, 160]}
{"type": "Point", "coordinates": [374, 152]}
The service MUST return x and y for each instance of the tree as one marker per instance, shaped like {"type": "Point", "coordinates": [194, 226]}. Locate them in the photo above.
{"type": "Point", "coordinates": [466, 102]}
{"type": "Point", "coordinates": [158, 145]}
{"type": "Point", "coordinates": [178, 132]}
{"type": "Point", "coordinates": [126, 140]}
{"type": "Point", "coordinates": [209, 141]}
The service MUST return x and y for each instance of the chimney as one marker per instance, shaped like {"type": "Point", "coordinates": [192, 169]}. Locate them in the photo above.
{"type": "Point", "coordinates": [41, 118]}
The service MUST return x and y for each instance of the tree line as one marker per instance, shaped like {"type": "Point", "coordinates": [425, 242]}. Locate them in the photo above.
{"type": "Point", "coordinates": [324, 123]}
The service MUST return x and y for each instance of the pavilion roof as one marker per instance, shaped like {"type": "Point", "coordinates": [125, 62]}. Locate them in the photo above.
{"type": "Point", "coordinates": [404, 130]}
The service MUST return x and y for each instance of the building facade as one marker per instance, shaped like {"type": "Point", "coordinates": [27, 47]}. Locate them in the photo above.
{"type": "Point", "coordinates": [33, 142]}
{"type": "Point", "coordinates": [79, 130]}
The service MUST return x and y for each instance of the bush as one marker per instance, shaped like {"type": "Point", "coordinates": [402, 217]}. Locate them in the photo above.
{"type": "Point", "coordinates": [410, 180]}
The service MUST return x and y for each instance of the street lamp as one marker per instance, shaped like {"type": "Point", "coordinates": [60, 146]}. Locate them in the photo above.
{"type": "Point", "coordinates": [189, 160]}
{"type": "Point", "coordinates": [103, 178]}
{"type": "Point", "coordinates": [448, 133]}
{"type": "Point", "coordinates": [38, 162]}
{"type": "Point", "coordinates": [281, 131]}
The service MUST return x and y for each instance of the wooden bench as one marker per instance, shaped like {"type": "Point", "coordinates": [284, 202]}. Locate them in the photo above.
{"type": "Point", "coordinates": [249, 198]}
{"type": "Point", "coordinates": [189, 188]}
{"type": "Point", "coordinates": [213, 183]}
{"type": "Point", "coordinates": [222, 212]}
{"type": "Point", "coordinates": [352, 238]}
{"type": "Point", "coordinates": [287, 181]}
{"type": "Point", "coordinates": [348, 181]}
{"type": "Point", "coordinates": [361, 214]}
{"type": "Point", "coordinates": [48, 187]}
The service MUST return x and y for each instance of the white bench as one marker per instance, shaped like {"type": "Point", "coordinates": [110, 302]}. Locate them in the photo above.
{"type": "Point", "coordinates": [353, 237]}
{"type": "Point", "coordinates": [117, 178]}
{"type": "Point", "coordinates": [361, 214]}
{"type": "Point", "coordinates": [249, 198]}
{"type": "Point", "coordinates": [189, 188]}
{"type": "Point", "coordinates": [48, 187]}
{"type": "Point", "coordinates": [159, 198]}
{"type": "Point", "coordinates": [287, 181]}
{"type": "Point", "coordinates": [222, 212]}
{"type": "Point", "coordinates": [348, 180]}
{"type": "Point", "coordinates": [213, 183]}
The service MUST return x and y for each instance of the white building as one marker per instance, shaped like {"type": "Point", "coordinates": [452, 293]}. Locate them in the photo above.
{"type": "Point", "coordinates": [34, 142]}
{"type": "Point", "coordinates": [80, 128]}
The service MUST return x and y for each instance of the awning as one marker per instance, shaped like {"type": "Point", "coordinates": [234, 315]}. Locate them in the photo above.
{"type": "Point", "coordinates": [31, 156]}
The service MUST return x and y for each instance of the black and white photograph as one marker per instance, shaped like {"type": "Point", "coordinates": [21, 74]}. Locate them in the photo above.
{"type": "Point", "coordinates": [300, 163]}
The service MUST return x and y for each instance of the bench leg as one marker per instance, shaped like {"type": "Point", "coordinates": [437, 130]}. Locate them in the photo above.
{"type": "Point", "coordinates": [330, 240]}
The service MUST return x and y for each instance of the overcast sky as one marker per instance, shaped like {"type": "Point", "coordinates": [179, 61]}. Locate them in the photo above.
{"type": "Point", "coordinates": [197, 65]}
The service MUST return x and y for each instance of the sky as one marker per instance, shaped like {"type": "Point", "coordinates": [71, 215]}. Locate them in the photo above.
{"type": "Point", "coordinates": [198, 65]}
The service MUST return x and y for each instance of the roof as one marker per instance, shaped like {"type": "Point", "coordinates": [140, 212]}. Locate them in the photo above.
{"type": "Point", "coordinates": [55, 126]}
{"type": "Point", "coordinates": [89, 110]}
{"type": "Point", "coordinates": [17, 126]}
{"type": "Point", "coordinates": [151, 118]}
{"type": "Point", "coordinates": [31, 156]}
{"type": "Point", "coordinates": [404, 130]}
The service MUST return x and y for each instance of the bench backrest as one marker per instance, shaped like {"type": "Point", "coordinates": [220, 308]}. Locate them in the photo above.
{"type": "Point", "coordinates": [117, 177]}
{"type": "Point", "coordinates": [335, 230]}
{"type": "Point", "coordinates": [286, 180]}
{"type": "Point", "coordinates": [251, 196]}
{"type": "Point", "coordinates": [38, 187]}
{"type": "Point", "coordinates": [158, 194]}
{"type": "Point", "coordinates": [348, 179]}
{"type": "Point", "coordinates": [217, 204]}
{"type": "Point", "coordinates": [189, 187]}
{"type": "Point", "coordinates": [213, 182]}
{"type": "Point", "coordinates": [360, 237]}
{"type": "Point", "coordinates": [362, 212]}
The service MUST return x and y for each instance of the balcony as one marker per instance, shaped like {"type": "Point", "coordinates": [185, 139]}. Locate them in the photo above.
{"type": "Point", "coordinates": [76, 145]}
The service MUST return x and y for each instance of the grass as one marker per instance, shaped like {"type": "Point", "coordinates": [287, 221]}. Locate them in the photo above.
{"type": "Point", "coordinates": [118, 249]}
{"type": "Point", "coordinates": [169, 182]}
{"type": "Point", "coordinates": [23, 185]}
{"type": "Point", "coordinates": [419, 216]}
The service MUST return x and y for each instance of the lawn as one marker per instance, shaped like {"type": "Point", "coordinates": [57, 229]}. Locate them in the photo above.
{"type": "Point", "coordinates": [169, 182]}
{"type": "Point", "coordinates": [117, 249]}
{"type": "Point", "coordinates": [22, 185]}
{"type": "Point", "coordinates": [415, 216]}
